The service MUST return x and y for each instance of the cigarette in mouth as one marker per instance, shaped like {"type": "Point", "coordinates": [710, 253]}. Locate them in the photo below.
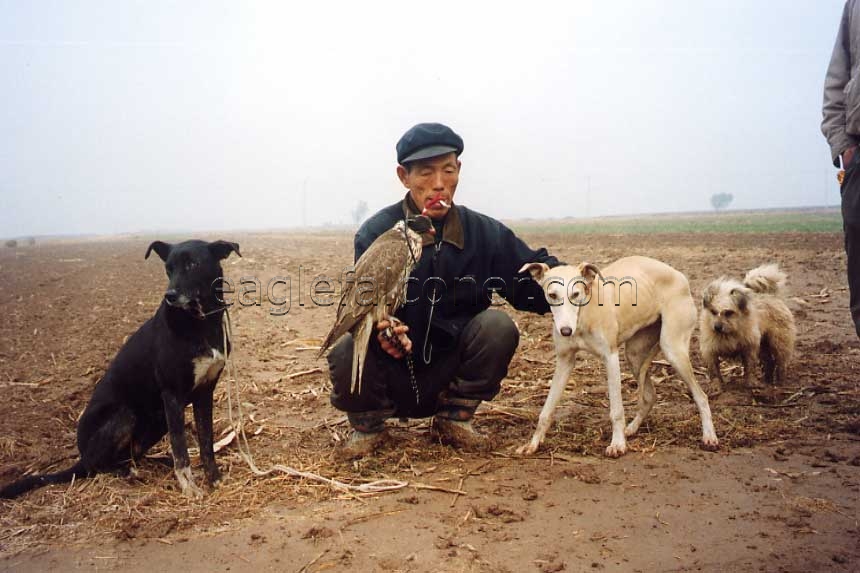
{"type": "Point", "coordinates": [433, 202]}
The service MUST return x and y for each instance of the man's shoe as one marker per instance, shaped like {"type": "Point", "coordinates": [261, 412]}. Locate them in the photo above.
{"type": "Point", "coordinates": [360, 444]}
{"type": "Point", "coordinates": [460, 434]}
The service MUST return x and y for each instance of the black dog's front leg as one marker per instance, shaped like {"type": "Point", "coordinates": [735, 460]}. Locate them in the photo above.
{"type": "Point", "coordinates": [202, 401]}
{"type": "Point", "coordinates": [174, 410]}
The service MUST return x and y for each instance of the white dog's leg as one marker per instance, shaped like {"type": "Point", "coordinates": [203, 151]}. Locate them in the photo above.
{"type": "Point", "coordinates": [618, 446]}
{"type": "Point", "coordinates": [675, 343]}
{"type": "Point", "coordinates": [564, 362]}
{"type": "Point", "coordinates": [709, 436]}
{"type": "Point", "coordinates": [641, 349]}
{"type": "Point", "coordinates": [647, 393]}
{"type": "Point", "coordinates": [680, 360]}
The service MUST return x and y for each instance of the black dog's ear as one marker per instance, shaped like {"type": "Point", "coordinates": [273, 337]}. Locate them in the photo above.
{"type": "Point", "coordinates": [740, 297]}
{"type": "Point", "coordinates": [222, 249]}
{"type": "Point", "coordinates": [161, 248]}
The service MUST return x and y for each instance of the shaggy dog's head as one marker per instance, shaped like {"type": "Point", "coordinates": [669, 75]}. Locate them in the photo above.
{"type": "Point", "coordinates": [726, 307]}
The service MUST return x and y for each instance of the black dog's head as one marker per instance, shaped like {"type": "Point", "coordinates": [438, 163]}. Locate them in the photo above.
{"type": "Point", "coordinates": [194, 271]}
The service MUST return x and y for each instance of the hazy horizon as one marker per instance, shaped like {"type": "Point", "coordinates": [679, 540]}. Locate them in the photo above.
{"type": "Point", "coordinates": [127, 118]}
{"type": "Point", "coordinates": [517, 223]}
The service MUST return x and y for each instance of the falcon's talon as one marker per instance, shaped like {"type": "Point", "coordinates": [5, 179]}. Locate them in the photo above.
{"type": "Point", "coordinates": [393, 340]}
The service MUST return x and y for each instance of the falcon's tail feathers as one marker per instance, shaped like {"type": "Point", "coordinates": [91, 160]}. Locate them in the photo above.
{"type": "Point", "coordinates": [360, 344]}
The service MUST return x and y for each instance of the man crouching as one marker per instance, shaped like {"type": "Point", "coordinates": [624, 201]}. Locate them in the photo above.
{"type": "Point", "coordinates": [447, 349]}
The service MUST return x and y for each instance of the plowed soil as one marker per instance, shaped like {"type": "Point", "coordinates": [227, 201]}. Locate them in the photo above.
{"type": "Point", "coordinates": [781, 494]}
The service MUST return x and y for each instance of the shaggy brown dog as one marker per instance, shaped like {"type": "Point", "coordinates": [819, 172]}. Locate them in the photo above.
{"type": "Point", "coordinates": [748, 320]}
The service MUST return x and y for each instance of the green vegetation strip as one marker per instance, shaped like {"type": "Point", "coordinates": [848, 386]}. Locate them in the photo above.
{"type": "Point", "coordinates": [819, 221]}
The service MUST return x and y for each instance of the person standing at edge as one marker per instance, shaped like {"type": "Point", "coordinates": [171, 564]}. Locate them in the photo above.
{"type": "Point", "coordinates": [461, 348]}
{"type": "Point", "coordinates": [841, 127]}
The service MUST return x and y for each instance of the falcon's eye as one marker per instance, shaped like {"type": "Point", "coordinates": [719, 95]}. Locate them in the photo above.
{"type": "Point", "coordinates": [552, 296]}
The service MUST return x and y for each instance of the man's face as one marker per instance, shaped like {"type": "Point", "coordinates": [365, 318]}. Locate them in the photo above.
{"type": "Point", "coordinates": [427, 177]}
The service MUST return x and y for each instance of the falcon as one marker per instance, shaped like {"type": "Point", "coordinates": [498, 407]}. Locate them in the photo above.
{"type": "Point", "coordinates": [379, 287]}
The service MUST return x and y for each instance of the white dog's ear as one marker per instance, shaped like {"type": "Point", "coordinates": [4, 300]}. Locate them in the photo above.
{"type": "Point", "coordinates": [588, 271]}
{"type": "Point", "coordinates": [536, 270]}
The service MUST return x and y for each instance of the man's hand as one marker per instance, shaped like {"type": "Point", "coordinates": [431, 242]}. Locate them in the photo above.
{"type": "Point", "coordinates": [848, 156]}
{"type": "Point", "coordinates": [400, 331]}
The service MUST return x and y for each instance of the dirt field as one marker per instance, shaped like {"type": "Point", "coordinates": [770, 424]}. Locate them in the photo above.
{"type": "Point", "coordinates": [781, 494]}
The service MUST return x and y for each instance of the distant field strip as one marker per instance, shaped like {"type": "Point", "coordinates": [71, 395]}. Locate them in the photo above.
{"type": "Point", "coordinates": [812, 221]}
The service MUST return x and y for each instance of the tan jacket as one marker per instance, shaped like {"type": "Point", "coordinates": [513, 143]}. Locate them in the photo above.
{"type": "Point", "coordinates": [841, 109]}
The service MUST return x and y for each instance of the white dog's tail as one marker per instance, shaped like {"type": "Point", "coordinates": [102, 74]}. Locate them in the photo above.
{"type": "Point", "coordinates": [766, 279]}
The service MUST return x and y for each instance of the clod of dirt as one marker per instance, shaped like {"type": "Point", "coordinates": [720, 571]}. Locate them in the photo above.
{"type": "Point", "coordinates": [551, 566]}
{"type": "Point", "coordinates": [585, 474]}
{"type": "Point", "coordinates": [853, 426]}
{"type": "Point", "coordinates": [132, 528]}
{"type": "Point", "coordinates": [797, 523]}
{"type": "Point", "coordinates": [315, 533]}
{"type": "Point", "coordinates": [257, 538]}
{"type": "Point", "coordinates": [389, 564]}
{"type": "Point", "coordinates": [832, 456]}
{"type": "Point", "coordinates": [410, 499]}
{"type": "Point", "coordinates": [528, 493]}
{"type": "Point", "coordinates": [827, 347]}
{"type": "Point", "coordinates": [503, 513]}
{"type": "Point", "coordinates": [345, 557]}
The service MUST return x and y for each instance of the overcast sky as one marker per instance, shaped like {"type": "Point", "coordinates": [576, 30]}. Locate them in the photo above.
{"type": "Point", "coordinates": [152, 116]}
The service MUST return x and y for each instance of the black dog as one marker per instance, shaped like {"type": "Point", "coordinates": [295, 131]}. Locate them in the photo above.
{"type": "Point", "coordinates": [173, 360]}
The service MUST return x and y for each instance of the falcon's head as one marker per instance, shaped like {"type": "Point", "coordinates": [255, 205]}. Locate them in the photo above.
{"type": "Point", "coordinates": [421, 224]}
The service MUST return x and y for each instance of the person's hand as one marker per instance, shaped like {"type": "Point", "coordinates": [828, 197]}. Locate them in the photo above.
{"type": "Point", "coordinates": [400, 331]}
{"type": "Point", "coordinates": [848, 156]}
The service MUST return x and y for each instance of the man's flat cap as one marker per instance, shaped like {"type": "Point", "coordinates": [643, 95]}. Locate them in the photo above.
{"type": "Point", "coordinates": [427, 140]}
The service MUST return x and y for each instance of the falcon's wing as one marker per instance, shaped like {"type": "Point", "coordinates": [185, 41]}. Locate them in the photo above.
{"type": "Point", "coordinates": [384, 262]}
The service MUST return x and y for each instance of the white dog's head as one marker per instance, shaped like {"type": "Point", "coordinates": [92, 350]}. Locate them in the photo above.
{"type": "Point", "coordinates": [567, 290]}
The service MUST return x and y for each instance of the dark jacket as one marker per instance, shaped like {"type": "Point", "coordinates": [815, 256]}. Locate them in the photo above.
{"type": "Point", "coordinates": [475, 256]}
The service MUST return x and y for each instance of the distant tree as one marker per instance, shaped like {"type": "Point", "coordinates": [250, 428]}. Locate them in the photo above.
{"type": "Point", "coordinates": [359, 212]}
{"type": "Point", "coordinates": [11, 243]}
{"type": "Point", "coordinates": [720, 201]}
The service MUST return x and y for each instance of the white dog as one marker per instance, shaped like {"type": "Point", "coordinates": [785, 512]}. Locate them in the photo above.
{"type": "Point", "coordinates": [653, 312]}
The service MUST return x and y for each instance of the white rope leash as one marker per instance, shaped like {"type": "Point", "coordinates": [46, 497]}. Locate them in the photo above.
{"type": "Point", "coordinates": [377, 486]}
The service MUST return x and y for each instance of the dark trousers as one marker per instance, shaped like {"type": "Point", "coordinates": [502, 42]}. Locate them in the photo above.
{"type": "Point", "coordinates": [851, 225]}
{"type": "Point", "coordinates": [472, 371]}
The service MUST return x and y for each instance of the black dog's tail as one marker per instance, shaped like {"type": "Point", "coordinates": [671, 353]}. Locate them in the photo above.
{"type": "Point", "coordinates": [24, 485]}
